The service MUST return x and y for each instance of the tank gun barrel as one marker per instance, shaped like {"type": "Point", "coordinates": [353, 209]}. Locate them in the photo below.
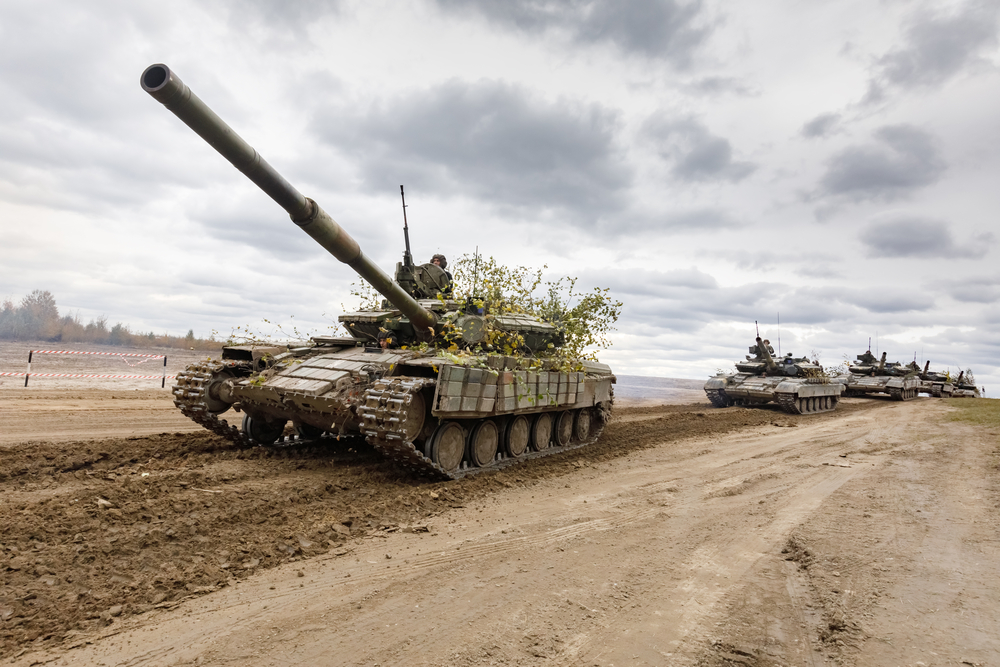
{"type": "Point", "coordinates": [167, 88]}
{"type": "Point", "coordinates": [766, 355]}
{"type": "Point", "coordinates": [881, 363]}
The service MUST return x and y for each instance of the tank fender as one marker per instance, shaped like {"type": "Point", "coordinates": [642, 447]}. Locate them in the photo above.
{"type": "Point", "coordinates": [718, 382]}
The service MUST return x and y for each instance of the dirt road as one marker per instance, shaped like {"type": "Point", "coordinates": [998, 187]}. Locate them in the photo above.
{"type": "Point", "coordinates": [686, 536]}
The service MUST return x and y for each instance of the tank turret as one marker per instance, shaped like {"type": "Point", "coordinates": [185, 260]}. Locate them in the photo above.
{"type": "Point", "coordinates": [421, 406]}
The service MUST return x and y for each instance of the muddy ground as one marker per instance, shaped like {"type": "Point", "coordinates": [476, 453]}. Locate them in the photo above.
{"type": "Point", "coordinates": [687, 535]}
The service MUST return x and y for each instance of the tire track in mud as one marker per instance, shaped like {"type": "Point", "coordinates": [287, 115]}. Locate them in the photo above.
{"type": "Point", "coordinates": [680, 638]}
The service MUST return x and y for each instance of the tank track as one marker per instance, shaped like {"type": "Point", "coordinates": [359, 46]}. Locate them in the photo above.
{"type": "Point", "coordinates": [190, 395]}
{"type": "Point", "coordinates": [718, 398]}
{"type": "Point", "coordinates": [792, 404]}
{"type": "Point", "coordinates": [384, 423]}
{"type": "Point", "coordinates": [899, 394]}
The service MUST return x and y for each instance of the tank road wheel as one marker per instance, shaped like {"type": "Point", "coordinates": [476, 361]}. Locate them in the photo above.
{"type": "Point", "coordinates": [448, 446]}
{"type": "Point", "coordinates": [564, 428]}
{"type": "Point", "coordinates": [308, 431]}
{"type": "Point", "coordinates": [483, 443]}
{"type": "Point", "coordinates": [541, 432]}
{"type": "Point", "coordinates": [416, 416]}
{"type": "Point", "coordinates": [516, 436]}
{"type": "Point", "coordinates": [581, 425]}
{"type": "Point", "coordinates": [261, 431]}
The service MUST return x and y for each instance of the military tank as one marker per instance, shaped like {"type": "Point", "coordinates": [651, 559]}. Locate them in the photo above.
{"type": "Point", "coordinates": [933, 383]}
{"type": "Point", "coordinates": [873, 376]}
{"type": "Point", "coordinates": [965, 388]}
{"type": "Point", "coordinates": [420, 378]}
{"type": "Point", "coordinates": [798, 385]}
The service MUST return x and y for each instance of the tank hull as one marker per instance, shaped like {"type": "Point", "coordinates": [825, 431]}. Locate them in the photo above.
{"type": "Point", "coordinates": [434, 415]}
{"type": "Point", "coordinates": [936, 389]}
{"type": "Point", "coordinates": [794, 395]}
{"type": "Point", "coordinates": [899, 388]}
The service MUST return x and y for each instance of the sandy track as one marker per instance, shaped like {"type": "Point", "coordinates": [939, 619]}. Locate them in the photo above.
{"type": "Point", "coordinates": [687, 536]}
{"type": "Point", "coordinates": [55, 415]}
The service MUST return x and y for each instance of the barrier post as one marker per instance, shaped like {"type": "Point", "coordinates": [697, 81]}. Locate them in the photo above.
{"type": "Point", "coordinates": [163, 382]}
{"type": "Point", "coordinates": [29, 368]}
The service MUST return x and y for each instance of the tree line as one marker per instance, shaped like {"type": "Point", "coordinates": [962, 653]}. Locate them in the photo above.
{"type": "Point", "coordinates": [36, 317]}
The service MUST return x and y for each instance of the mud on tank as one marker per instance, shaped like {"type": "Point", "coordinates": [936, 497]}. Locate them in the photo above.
{"type": "Point", "coordinates": [444, 416]}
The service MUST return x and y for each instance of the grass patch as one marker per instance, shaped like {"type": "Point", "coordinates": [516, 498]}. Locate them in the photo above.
{"type": "Point", "coordinates": [979, 411]}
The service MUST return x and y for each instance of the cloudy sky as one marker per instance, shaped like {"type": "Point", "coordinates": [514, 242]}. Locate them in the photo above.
{"type": "Point", "coordinates": [712, 163]}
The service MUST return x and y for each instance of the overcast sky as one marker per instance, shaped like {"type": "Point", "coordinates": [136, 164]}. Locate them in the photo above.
{"type": "Point", "coordinates": [712, 163]}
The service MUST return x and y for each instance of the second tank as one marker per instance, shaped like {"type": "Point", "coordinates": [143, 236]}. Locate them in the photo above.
{"type": "Point", "coordinates": [798, 385]}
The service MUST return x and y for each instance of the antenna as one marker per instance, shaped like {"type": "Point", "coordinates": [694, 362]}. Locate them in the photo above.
{"type": "Point", "coordinates": [756, 327]}
{"type": "Point", "coordinates": [779, 334]}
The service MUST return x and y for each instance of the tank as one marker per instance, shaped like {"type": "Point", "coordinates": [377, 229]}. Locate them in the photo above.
{"type": "Point", "coordinates": [798, 385]}
{"type": "Point", "coordinates": [965, 388]}
{"type": "Point", "coordinates": [933, 383]}
{"type": "Point", "coordinates": [873, 376]}
{"type": "Point", "coordinates": [395, 379]}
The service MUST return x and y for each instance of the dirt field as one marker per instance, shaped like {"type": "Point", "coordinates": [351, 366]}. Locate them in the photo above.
{"type": "Point", "coordinates": [686, 536]}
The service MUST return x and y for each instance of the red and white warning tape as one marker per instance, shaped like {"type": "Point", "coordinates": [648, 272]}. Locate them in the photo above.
{"type": "Point", "coordinates": [110, 354]}
{"type": "Point", "coordinates": [83, 375]}
{"type": "Point", "coordinates": [122, 355]}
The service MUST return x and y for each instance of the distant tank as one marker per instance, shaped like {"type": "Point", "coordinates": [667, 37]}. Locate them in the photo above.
{"type": "Point", "coordinates": [965, 388]}
{"type": "Point", "coordinates": [395, 380]}
{"type": "Point", "coordinates": [798, 385]}
{"type": "Point", "coordinates": [933, 383]}
{"type": "Point", "coordinates": [873, 376]}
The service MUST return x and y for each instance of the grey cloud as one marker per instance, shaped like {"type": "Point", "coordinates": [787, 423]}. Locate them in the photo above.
{"type": "Point", "coordinates": [712, 86]}
{"type": "Point", "coordinates": [295, 15]}
{"type": "Point", "coordinates": [695, 153]}
{"type": "Point", "coordinates": [488, 140]}
{"type": "Point", "coordinates": [937, 46]}
{"type": "Point", "coordinates": [984, 290]}
{"type": "Point", "coordinates": [820, 270]}
{"type": "Point", "coordinates": [920, 237]}
{"type": "Point", "coordinates": [976, 293]}
{"type": "Point", "coordinates": [902, 159]}
{"type": "Point", "coordinates": [821, 126]}
{"type": "Point", "coordinates": [681, 221]}
{"type": "Point", "coordinates": [890, 301]}
{"type": "Point", "coordinates": [645, 283]}
{"type": "Point", "coordinates": [664, 29]}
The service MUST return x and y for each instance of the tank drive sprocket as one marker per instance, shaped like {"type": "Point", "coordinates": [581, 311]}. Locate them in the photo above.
{"type": "Point", "coordinates": [192, 396]}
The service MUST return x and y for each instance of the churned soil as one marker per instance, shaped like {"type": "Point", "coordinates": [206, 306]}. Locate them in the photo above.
{"type": "Point", "coordinates": [685, 535]}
